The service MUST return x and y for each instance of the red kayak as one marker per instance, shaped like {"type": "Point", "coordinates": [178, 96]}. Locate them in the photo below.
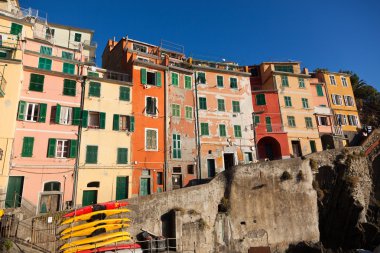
{"type": "Point", "coordinates": [112, 248]}
{"type": "Point", "coordinates": [95, 207]}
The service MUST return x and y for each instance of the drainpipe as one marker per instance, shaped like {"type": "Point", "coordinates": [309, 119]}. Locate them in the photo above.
{"type": "Point", "coordinates": [165, 130]}
{"type": "Point", "coordinates": [76, 166]}
{"type": "Point", "coordinates": [197, 129]}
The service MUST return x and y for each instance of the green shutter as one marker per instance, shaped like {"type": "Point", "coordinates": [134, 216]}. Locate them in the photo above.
{"type": "Point", "coordinates": [122, 155]}
{"type": "Point", "coordinates": [158, 79]}
{"type": "Point", "coordinates": [44, 63]}
{"type": "Point", "coordinates": [57, 113]}
{"type": "Point", "coordinates": [36, 82]}
{"type": "Point", "coordinates": [51, 147]}
{"type": "Point", "coordinates": [73, 148]}
{"type": "Point", "coordinates": [102, 116]}
{"type": "Point", "coordinates": [27, 147]}
{"type": "Point", "coordinates": [21, 110]}
{"type": "Point", "coordinates": [124, 93]}
{"type": "Point", "coordinates": [115, 122]}
{"type": "Point", "coordinates": [92, 154]}
{"type": "Point", "coordinates": [94, 90]}
{"type": "Point", "coordinates": [132, 123]}
{"type": "Point", "coordinates": [319, 90]}
{"type": "Point", "coordinates": [45, 50]}
{"type": "Point", "coordinates": [85, 118]}
{"type": "Point", "coordinates": [68, 68]}
{"type": "Point", "coordinates": [69, 87]}
{"type": "Point", "coordinates": [42, 114]}
{"type": "Point", "coordinates": [143, 76]}
{"type": "Point", "coordinates": [76, 116]}
{"type": "Point", "coordinates": [121, 188]}
{"type": "Point", "coordinates": [16, 29]}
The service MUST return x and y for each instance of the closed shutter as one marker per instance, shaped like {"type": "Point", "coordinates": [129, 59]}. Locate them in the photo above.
{"type": "Point", "coordinates": [333, 99]}
{"type": "Point", "coordinates": [21, 110]}
{"type": "Point", "coordinates": [132, 124]}
{"type": "Point", "coordinates": [58, 113]}
{"type": "Point", "coordinates": [143, 76]}
{"type": "Point", "coordinates": [42, 113]}
{"type": "Point", "coordinates": [94, 89]}
{"type": "Point", "coordinates": [84, 118]}
{"type": "Point", "coordinates": [36, 82]}
{"type": "Point", "coordinates": [122, 188]}
{"type": "Point", "coordinates": [16, 29]}
{"type": "Point", "coordinates": [115, 125]}
{"type": "Point", "coordinates": [27, 147]}
{"type": "Point", "coordinates": [124, 93]}
{"type": "Point", "coordinates": [319, 90]}
{"type": "Point", "coordinates": [122, 155]}
{"type": "Point", "coordinates": [102, 117]}
{"type": "Point", "coordinates": [51, 147]}
{"type": "Point", "coordinates": [76, 116]}
{"type": "Point", "coordinates": [92, 154]}
{"type": "Point", "coordinates": [73, 148]}
{"type": "Point", "coordinates": [158, 79]}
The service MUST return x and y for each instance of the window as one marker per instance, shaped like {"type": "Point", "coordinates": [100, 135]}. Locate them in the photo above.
{"type": "Point", "coordinates": [235, 106]}
{"type": "Point", "coordinates": [44, 63]}
{"type": "Point", "coordinates": [52, 186]}
{"type": "Point", "coordinates": [283, 68]}
{"type": "Point", "coordinates": [27, 147]}
{"type": "Point", "coordinates": [92, 74]}
{"type": "Point", "coordinates": [202, 103]}
{"type": "Point", "coordinates": [94, 184]}
{"type": "Point", "coordinates": [177, 146]}
{"type": "Point", "coordinates": [237, 131]}
{"type": "Point", "coordinates": [140, 48]}
{"type": "Point", "coordinates": [313, 146]}
{"type": "Point", "coordinates": [189, 112]}
{"type": "Point", "coordinates": [336, 99]}
{"type": "Point", "coordinates": [65, 115]}
{"type": "Point", "coordinates": [255, 71]}
{"type": "Point", "coordinates": [62, 149]}
{"type": "Point", "coordinates": [305, 103]}
{"type": "Point", "coordinates": [94, 90]}
{"type": "Point", "coordinates": [45, 50]}
{"type": "Point", "coordinates": [222, 130]}
{"type": "Point", "coordinates": [260, 99]}
{"type": "Point", "coordinates": [95, 119]}
{"type": "Point", "coordinates": [233, 83]}
{"type": "Point", "coordinates": [160, 178]}
{"type": "Point", "coordinates": [67, 55]}
{"type": "Point", "coordinates": [69, 87]}
{"type": "Point", "coordinates": [177, 170]}
{"type": "Point", "coordinates": [124, 93]}
{"type": "Point", "coordinates": [256, 119]}
{"type": "Point", "coordinates": [122, 156]}
{"type": "Point", "coordinates": [204, 129]}
{"type": "Point", "coordinates": [190, 169]}
{"type": "Point", "coordinates": [319, 90]}
{"type": "Point", "coordinates": [151, 106]}
{"type": "Point", "coordinates": [288, 101]}
{"type": "Point", "coordinates": [174, 79]}
{"type": "Point", "coordinates": [284, 81]}
{"type": "Point", "coordinates": [291, 121]}
{"type": "Point", "coordinates": [201, 76]}
{"type": "Point", "coordinates": [49, 33]}
{"type": "Point", "coordinates": [344, 81]}
{"type": "Point", "coordinates": [301, 82]}
{"type": "Point", "coordinates": [308, 122]}
{"type": "Point", "coordinates": [176, 110]}
{"type": "Point", "coordinates": [77, 37]}
{"type": "Point", "coordinates": [36, 82]}
{"type": "Point", "coordinates": [248, 157]}
{"type": "Point", "coordinates": [219, 80]}
{"type": "Point", "coordinates": [348, 100]}
{"type": "Point", "coordinates": [123, 123]}
{"type": "Point", "coordinates": [323, 121]}
{"type": "Point", "coordinates": [268, 124]}
{"type": "Point", "coordinates": [16, 29]}
{"type": "Point", "coordinates": [92, 154]}
{"type": "Point", "coordinates": [332, 80]}
{"type": "Point", "coordinates": [221, 106]}
{"type": "Point", "coordinates": [31, 112]}
{"type": "Point", "coordinates": [150, 77]}
{"type": "Point", "coordinates": [188, 82]}
{"type": "Point", "coordinates": [340, 119]}
{"type": "Point", "coordinates": [352, 120]}
{"type": "Point", "coordinates": [68, 68]}
{"type": "Point", "coordinates": [151, 139]}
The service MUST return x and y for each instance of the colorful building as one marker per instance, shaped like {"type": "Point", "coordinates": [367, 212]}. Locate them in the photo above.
{"type": "Point", "coordinates": [271, 139]}
{"type": "Point", "coordinates": [105, 166]}
{"type": "Point", "coordinates": [224, 115]}
{"type": "Point", "coordinates": [342, 102]}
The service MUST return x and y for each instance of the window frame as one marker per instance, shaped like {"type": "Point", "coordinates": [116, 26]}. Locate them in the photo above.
{"type": "Point", "coordinates": [332, 80]}
{"type": "Point", "coordinates": [205, 103]}
{"type": "Point", "coordinates": [176, 150]}
{"type": "Point", "coordinates": [68, 68]}
{"type": "Point", "coordinates": [284, 81]}
{"type": "Point", "coordinates": [224, 132]}
{"type": "Point", "coordinates": [198, 78]}
{"type": "Point", "coordinates": [231, 83]}
{"type": "Point", "coordinates": [45, 63]}
{"type": "Point", "coordinates": [288, 101]}
{"type": "Point", "coordinates": [67, 142]}
{"type": "Point", "coordinates": [76, 36]}
{"type": "Point", "coordinates": [291, 121]}
{"type": "Point", "coordinates": [344, 81]}
{"type": "Point", "coordinates": [118, 158]}
{"type": "Point", "coordinates": [66, 89]}
{"type": "Point", "coordinates": [305, 103]}
{"type": "Point", "coordinates": [187, 83]}
{"type": "Point", "coordinates": [217, 81]}
{"type": "Point", "coordinates": [176, 110]}
{"type": "Point", "coordinates": [236, 105]}
{"type": "Point", "coordinates": [221, 105]}
{"type": "Point", "coordinates": [155, 107]}
{"type": "Point", "coordinates": [202, 126]}
{"type": "Point", "coordinates": [238, 131]}
{"type": "Point", "coordinates": [35, 110]}
{"type": "Point", "coordinates": [172, 79]}
{"type": "Point", "coordinates": [301, 80]}
{"type": "Point", "coordinates": [146, 139]}
{"type": "Point", "coordinates": [308, 122]}
{"type": "Point", "coordinates": [186, 112]}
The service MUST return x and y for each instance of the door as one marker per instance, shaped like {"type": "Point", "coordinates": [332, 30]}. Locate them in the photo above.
{"type": "Point", "coordinates": [50, 203]}
{"type": "Point", "coordinates": [211, 167]}
{"type": "Point", "coordinates": [144, 186]}
{"type": "Point", "coordinates": [268, 123]}
{"type": "Point", "coordinates": [122, 185]}
{"type": "Point", "coordinates": [228, 160]}
{"type": "Point", "coordinates": [297, 152]}
{"type": "Point", "coordinates": [313, 147]}
{"type": "Point", "coordinates": [177, 181]}
{"type": "Point", "coordinates": [89, 197]}
{"type": "Point", "coordinates": [14, 192]}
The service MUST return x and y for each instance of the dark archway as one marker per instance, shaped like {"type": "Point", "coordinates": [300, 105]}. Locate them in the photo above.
{"type": "Point", "coordinates": [269, 147]}
{"type": "Point", "coordinates": [327, 141]}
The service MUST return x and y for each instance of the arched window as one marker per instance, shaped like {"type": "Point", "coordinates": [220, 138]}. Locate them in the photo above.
{"type": "Point", "coordinates": [93, 184]}
{"type": "Point", "coordinates": [52, 186]}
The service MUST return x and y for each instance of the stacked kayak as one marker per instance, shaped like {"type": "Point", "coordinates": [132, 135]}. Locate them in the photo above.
{"type": "Point", "coordinates": [92, 229]}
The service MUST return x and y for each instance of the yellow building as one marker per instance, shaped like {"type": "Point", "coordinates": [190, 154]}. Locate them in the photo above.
{"type": "Point", "coordinates": [296, 104]}
{"type": "Point", "coordinates": [342, 102]}
{"type": "Point", "coordinates": [105, 167]}
{"type": "Point", "coordinates": [11, 77]}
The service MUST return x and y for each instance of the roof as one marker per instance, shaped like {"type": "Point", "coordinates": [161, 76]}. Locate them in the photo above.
{"type": "Point", "coordinates": [71, 28]}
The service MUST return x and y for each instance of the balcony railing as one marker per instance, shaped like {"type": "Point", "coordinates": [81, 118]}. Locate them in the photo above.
{"type": "Point", "coordinates": [269, 128]}
{"type": "Point", "coordinates": [89, 43]}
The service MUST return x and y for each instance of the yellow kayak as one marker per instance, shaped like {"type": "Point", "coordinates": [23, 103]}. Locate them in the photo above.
{"type": "Point", "coordinates": [97, 245]}
{"type": "Point", "coordinates": [98, 215]}
{"type": "Point", "coordinates": [89, 231]}
{"type": "Point", "coordinates": [94, 239]}
{"type": "Point", "coordinates": [93, 224]}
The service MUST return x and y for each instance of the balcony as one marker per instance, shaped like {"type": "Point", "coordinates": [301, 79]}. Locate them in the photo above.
{"type": "Point", "coordinates": [263, 128]}
{"type": "Point", "coordinates": [90, 44]}
{"type": "Point", "coordinates": [97, 73]}
{"type": "Point", "coordinates": [320, 110]}
{"type": "Point", "coordinates": [260, 108]}
{"type": "Point", "coordinates": [3, 84]}
{"type": "Point", "coordinates": [42, 35]}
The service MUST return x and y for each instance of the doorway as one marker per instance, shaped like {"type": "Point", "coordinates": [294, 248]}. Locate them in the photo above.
{"type": "Point", "coordinates": [89, 197]}
{"type": "Point", "coordinates": [14, 192]}
{"type": "Point", "coordinates": [50, 202]}
{"type": "Point", "coordinates": [228, 161]}
{"type": "Point", "coordinates": [211, 167]}
{"type": "Point", "coordinates": [296, 146]}
{"type": "Point", "coordinates": [177, 181]}
{"type": "Point", "coordinates": [144, 186]}
{"type": "Point", "coordinates": [122, 187]}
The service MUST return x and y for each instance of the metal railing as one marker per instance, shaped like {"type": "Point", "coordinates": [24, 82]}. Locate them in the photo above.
{"type": "Point", "coordinates": [90, 43]}
{"type": "Point", "coordinates": [269, 128]}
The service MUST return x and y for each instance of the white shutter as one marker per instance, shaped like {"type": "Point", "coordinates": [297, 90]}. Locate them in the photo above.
{"type": "Point", "coordinates": [333, 99]}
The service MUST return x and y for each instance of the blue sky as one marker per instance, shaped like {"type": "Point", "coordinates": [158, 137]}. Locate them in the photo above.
{"type": "Point", "coordinates": [333, 34]}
